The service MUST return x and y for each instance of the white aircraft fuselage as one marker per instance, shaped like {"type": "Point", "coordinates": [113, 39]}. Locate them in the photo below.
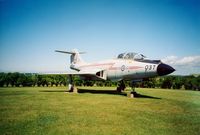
{"type": "Point", "coordinates": [127, 66]}
{"type": "Point", "coordinates": [119, 69]}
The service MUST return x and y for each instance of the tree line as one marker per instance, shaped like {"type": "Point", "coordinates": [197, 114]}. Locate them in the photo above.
{"type": "Point", "coordinates": [16, 79]}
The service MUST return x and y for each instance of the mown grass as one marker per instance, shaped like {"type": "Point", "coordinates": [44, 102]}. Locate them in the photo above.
{"type": "Point", "coordinates": [98, 111]}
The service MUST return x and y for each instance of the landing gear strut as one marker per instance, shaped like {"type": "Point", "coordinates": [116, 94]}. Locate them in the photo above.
{"type": "Point", "coordinates": [72, 87]}
{"type": "Point", "coordinates": [121, 86]}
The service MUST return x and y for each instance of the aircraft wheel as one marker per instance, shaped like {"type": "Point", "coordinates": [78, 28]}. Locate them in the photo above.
{"type": "Point", "coordinates": [71, 88]}
{"type": "Point", "coordinates": [119, 89]}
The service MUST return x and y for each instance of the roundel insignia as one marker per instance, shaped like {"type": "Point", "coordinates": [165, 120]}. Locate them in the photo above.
{"type": "Point", "coordinates": [123, 68]}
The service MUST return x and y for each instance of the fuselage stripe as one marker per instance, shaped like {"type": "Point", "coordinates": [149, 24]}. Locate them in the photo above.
{"type": "Point", "coordinates": [94, 65]}
{"type": "Point", "coordinates": [119, 68]}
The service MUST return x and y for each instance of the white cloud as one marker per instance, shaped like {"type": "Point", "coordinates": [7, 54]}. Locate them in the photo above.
{"type": "Point", "coordinates": [184, 65]}
{"type": "Point", "coordinates": [174, 60]}
{"type": "Point", "coordinates": [191, 60]}
{"type": "Point", "coordinates": [170, 59]}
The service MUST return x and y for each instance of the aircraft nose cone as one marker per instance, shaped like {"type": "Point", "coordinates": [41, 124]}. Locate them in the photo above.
{"type": "Point", "coordinates": [164, 69]}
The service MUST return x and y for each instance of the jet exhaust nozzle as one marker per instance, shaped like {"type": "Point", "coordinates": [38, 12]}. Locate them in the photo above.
{"type": "Point", "coordinates": [164, 69]}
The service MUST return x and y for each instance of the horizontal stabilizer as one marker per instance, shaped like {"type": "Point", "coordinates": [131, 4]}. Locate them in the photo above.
{"type": "Point", "coordinates": [69, 52]}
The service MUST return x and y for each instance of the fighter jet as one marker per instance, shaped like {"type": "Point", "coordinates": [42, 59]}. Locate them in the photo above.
{"type": "Point", "coordinates": [127, 66]}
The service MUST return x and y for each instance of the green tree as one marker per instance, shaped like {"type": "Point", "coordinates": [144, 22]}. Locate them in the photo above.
{"type": "Point", "coordinates": [2, 79]}
{"type": "Point", "coordinates": [188, 82]}
{"type": "Point", "coordinates": [88, 83]}
{"type": "Point", "coordinates": [20, 80]}
{"type": "Point", "coordinates": [13, 77]}
{"type": "Point", "coordinates": [167, 82]}
{"type": "Point", "coordinates": [34, 78]}
{"type": "Point", "coordinates": [195, 81]}
{"type": "Point", "coordinates": [42, 81]}
{"type": "Point", "coordinates": [177, 82]}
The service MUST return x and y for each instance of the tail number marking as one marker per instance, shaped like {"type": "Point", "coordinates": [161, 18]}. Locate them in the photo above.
{"type": "Point", "coordinates": [149, 67]}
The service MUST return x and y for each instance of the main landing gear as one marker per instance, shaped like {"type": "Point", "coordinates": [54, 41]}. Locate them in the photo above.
{"type": "Point", "coordinates": [133, 92]}
{"type": "Point", "coordinates": [72, 87]}
{"type": "Point", "coordinates": [121, 87]}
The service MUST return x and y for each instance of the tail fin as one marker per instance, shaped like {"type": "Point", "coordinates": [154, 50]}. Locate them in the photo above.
{"type": "Point", "coordinates": [75, 58]}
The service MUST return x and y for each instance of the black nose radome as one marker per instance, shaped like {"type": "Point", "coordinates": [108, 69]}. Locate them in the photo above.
{"type": "Point", "coordinates": [164, 69]}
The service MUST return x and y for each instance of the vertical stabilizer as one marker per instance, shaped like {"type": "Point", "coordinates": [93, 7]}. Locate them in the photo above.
{"type": "Point", "coordinates": [75, 59]}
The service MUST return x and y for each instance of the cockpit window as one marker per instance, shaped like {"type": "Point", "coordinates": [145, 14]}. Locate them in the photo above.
{"type": "Point", "coordinates": [138, 57]}
{"type": "Point", "coordinates": [131, 55]}
{"type": "Point", "coordinates": [121, 56]}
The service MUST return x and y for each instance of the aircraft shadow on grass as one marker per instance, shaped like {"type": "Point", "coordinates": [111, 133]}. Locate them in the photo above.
{"type": "Point", "coordinates": [52, 91]}
{"type": "Point", "coordinates": [112, 92]}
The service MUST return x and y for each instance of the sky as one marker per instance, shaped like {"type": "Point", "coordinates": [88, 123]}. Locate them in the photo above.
{"type": "Point", "coordinates": [30, 31]}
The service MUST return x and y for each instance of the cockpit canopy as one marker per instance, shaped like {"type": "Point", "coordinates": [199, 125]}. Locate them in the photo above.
{"type": "Point", "coordinates": [131, 55]}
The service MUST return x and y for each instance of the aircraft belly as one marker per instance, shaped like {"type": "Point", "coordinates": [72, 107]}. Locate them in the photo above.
{"type": "Point", "coordinates": [139, 75]}
{"type": "Point", "coordinates": [111, 75]}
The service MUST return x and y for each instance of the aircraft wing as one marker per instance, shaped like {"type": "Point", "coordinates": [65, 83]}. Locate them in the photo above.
{"type": "Point", "coordinates": [89, 74]}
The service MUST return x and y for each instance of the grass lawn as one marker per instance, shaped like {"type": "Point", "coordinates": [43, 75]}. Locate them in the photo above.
{"type": "Point", "coordinates": [98, 111]}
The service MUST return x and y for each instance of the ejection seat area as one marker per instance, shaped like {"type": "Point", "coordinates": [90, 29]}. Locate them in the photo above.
{"type": "Point", "coordinates": [131, 55]}
{"type": "Point", "coordinates": [137, 57]}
